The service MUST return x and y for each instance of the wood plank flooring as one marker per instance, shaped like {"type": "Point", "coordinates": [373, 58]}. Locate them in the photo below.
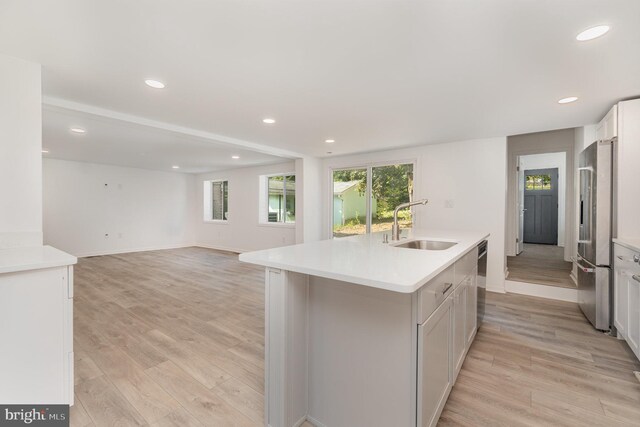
{"type": "Point", "coordinates": [538, 362]}
{"type": "Point", "coordinates": [169, 338]}
{"type": "Point", "coordinates": [176, 338]}
{"type": "Point", "coordinates": [542, 264]}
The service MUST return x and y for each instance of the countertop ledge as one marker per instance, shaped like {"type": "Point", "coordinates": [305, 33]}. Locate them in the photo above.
{"type": "Point", "coordinates": [33, 258]}
{"type": "Point", "coordinates": [366, 261]}
{"type": "Point", "coordinates": [633, 244]}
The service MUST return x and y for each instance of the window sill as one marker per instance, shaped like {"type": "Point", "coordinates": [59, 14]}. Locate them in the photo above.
{"type": "Point", "coordinates": [277, 224]}
{"type": "Point", "coordinates": [216, 221]}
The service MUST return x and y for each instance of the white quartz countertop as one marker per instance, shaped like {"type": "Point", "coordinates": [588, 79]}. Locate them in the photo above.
{"type": "Point", "coordinates": [33, 258]}
{"type": "Point", "coordinates": [366, 261]}
{"type": "Point", "coordinates": [633, 244]}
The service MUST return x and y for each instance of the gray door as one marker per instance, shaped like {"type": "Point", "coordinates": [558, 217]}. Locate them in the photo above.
{"type": "Point", "coordinates": [541, 206]}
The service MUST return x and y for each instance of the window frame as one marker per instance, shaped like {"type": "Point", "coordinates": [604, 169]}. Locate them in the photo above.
{"type": "Point", "coordinates": [263, 214]}
{"type": "Point", "coordinates": [369, 166]}
{"type": "Point", "coordinates": [208, 201]}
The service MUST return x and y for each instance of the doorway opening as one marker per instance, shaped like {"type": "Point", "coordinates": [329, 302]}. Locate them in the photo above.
{"type": "Point", "coordinates": [541, 210]}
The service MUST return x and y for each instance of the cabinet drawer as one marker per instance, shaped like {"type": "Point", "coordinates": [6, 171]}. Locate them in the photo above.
{"type": "Point", "coordinates": [465, 266]}
{"type": "Point", "coordinates": [434, 293]}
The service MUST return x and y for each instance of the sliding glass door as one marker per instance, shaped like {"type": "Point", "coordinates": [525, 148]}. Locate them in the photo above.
{"type": "Point", "coordinates": [364, 198]}
{"type": "Point", "coordinates": [350, 202]}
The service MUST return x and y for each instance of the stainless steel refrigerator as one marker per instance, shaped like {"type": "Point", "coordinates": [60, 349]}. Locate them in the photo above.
{"type": "Point", "coordinates": [594, 240]}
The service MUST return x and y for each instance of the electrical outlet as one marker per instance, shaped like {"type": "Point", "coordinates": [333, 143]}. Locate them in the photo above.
{"type": "Point", "coordinates": [449, 204]}
{"type": "Point", "coordinates": [119, 235]}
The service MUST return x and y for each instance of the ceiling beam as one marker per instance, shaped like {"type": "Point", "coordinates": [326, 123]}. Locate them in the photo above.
{"type": "Point", "coordinates": [52, 103]}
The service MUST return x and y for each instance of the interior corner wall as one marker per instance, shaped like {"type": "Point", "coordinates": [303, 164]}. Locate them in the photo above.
{"type": "Point", "coordinates": [20, 153]}
{"type": "Point", "coordinates": [465, 183]}
{"type": "Point", "coordinates": [92, 209]}
{"type": "Point", "coordinates": [242, 231]}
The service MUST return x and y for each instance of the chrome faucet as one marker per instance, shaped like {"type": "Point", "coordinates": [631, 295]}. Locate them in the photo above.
{"type": "Point", "coordinates": [395, 228]}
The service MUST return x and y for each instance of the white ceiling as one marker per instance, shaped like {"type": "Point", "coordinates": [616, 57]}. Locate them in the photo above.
{"type": "Point", "coordinates": [369, 74]}
{"type": "Point", "coordinates": [117, 142]}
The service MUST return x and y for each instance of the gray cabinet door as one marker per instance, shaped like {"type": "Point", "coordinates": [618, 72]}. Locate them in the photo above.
{"type": "Point", "coordinates": [541, 206]}
{"type": "Point", "coordinates": [435, 376]}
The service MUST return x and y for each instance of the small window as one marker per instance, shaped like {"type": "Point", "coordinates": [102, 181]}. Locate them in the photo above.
{"type": "Point", "coordinates": [280, 206]}
{"type": "Point", "coordinates": [216, 195]}
{"type": "Point", "coordinates": [538, 182]}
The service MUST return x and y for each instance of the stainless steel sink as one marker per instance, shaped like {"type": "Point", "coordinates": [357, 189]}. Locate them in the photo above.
{"type": "Point", "coordinates": [427, 245]}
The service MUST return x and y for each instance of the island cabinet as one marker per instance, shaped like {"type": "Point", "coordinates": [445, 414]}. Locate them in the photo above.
{"type": "Point", "coordinates": [36, 326]}
{"type": "Point", "coordinates": [435, 357]}
{"type": "Point", "coordinates": [444, 339]}
{"type": "Point", "coordinates": [359, 332]}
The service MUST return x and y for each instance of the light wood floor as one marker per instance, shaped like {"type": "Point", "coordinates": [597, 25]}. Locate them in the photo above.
{"type": "Point", "coordinates": [543, 264]}
{"type": "Point", "coordinates": [176, 338]}
{"type": "Point", "coordinates": [538, 362]}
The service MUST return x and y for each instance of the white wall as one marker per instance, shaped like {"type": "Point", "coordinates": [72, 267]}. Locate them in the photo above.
{"type": "Point", "coordinates": [309, 201]}
{"type": "Point", "coordinates": [243, 231]}
{"type": "Point", "coordinates": [470, 176]}
{"type": "Point", "coordinates": [20, 153]}
{"type": "Point", "coordinates": [551, 161]}
{"type": "Point", "coordinates": [138, 209]}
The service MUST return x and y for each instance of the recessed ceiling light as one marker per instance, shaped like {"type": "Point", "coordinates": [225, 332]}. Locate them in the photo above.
{"type": "Point", "coordinates": [329, 141]}
{"type": "Point", "coordinates": [154, 84]}
{"type": "Point", "coordinates": [235, 157]}
{"type": "Point", "coordinates": [45, 151]}
{"type": "Point", "coordinates": [176, 167]}
{"type": "Point", "coordinates": [268, 121]}
{"type": "Point", "coordinates": [592, 33]}
{"type": "Point", "coordinates": [77, 130]}
{"type": "Point", "coordinates": [568, 100]}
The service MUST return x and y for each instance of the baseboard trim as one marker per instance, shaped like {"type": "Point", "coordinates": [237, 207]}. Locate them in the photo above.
{"type": "Point", "coordinates": [315, 422]}
{"type": "Point", "coordinates": [220, 248]}
{"type": "Point", "coordinates": [541, 291]}
{"type": "Point", "coordinates": [573, 277]}
{"type": "Point", "coordinates": [128, 251]}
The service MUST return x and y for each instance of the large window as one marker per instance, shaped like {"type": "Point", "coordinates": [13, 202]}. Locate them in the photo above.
{"type": "Point", "coordinates": [281, 199]}
{"type": "Point", "coordinates": [216, 204]}
{"type": "Point", "coordinates": [364, 198]}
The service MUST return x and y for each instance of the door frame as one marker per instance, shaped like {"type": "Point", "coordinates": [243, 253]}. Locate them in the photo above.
{"type": "Point", "coordinates": [560, 141]}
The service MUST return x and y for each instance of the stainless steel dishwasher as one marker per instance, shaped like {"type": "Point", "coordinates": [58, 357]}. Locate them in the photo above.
{"type": "Point", "coordinates": [482, 278]}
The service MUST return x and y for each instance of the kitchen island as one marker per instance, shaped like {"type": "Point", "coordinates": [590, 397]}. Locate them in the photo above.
{"type": "Point", "coordinates": [364, 333]}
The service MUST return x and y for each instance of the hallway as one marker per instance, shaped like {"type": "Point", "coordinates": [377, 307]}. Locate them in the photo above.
{"type": "Point", "coordinates": [542, 264]}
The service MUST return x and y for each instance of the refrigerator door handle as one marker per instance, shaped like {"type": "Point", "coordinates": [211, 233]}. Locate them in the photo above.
{"type": "Point", "coordinates": [587, 231]}
{"type": "Point", "coordinates": [588, 268]}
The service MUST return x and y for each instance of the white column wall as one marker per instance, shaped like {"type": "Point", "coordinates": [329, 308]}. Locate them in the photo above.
{"type": "Point", "coordinates": [20, 153]}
